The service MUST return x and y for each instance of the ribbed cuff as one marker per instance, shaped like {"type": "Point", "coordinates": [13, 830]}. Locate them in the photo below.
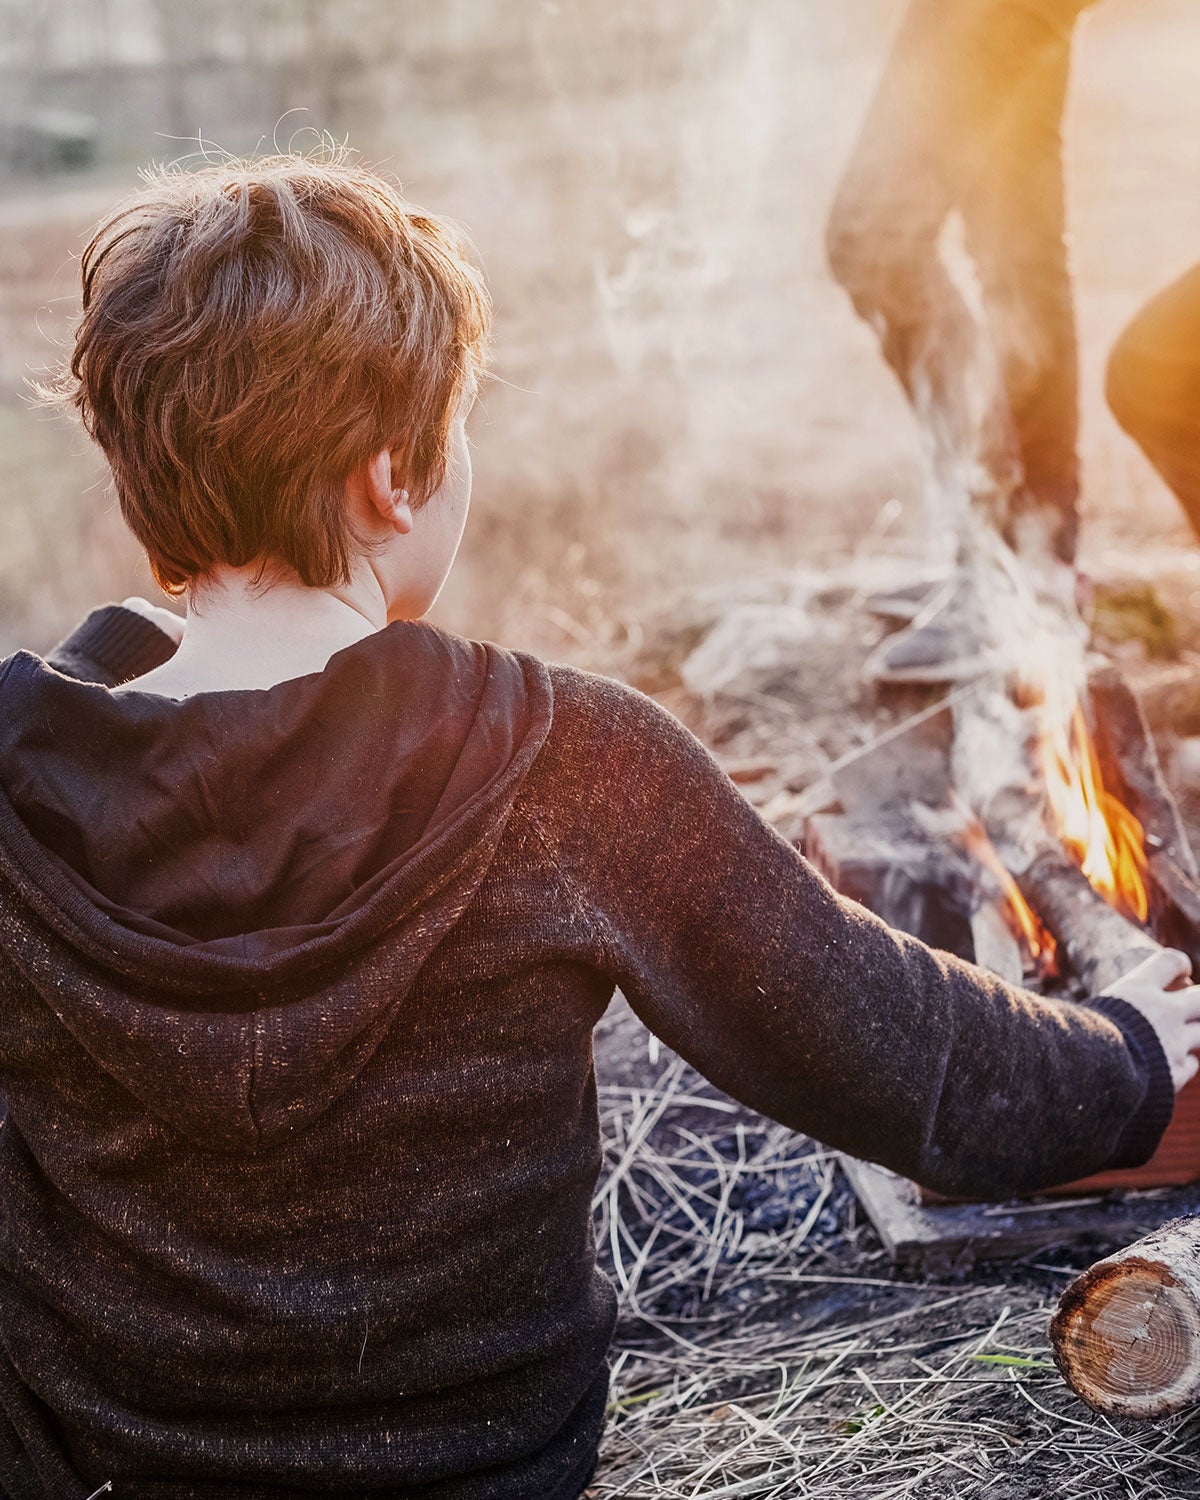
{"type": "Point", "coordinates": [1139, 1140]}
{"type": "Point", "coordinates": [113, 645]}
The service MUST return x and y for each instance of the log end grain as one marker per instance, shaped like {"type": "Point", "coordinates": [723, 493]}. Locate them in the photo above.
{"type": "Point", "coordinates": [1127, 1338]}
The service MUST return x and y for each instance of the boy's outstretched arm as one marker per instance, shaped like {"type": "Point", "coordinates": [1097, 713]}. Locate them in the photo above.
{"type": "Point", "coordinates": [806, 1007]}
{"type": "Point", "coordinates": [118, 642]}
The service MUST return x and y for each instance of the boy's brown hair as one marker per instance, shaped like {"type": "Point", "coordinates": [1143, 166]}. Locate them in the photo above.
{"type": "Point", "coordinates": [251, 332]}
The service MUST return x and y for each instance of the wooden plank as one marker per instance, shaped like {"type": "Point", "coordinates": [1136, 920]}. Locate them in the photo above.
{"type": "Point", "coordinates": [995, 947]}
{"type": "Point", "coordinates": [947, 1238]}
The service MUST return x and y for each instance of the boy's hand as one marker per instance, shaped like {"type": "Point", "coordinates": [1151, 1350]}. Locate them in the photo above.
{"type": "Point", "coordinates": [167, 621]}
{"type": "Point", "coordinates": [1159, 988]}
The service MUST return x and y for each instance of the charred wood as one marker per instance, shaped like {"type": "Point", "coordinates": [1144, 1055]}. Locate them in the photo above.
{"type": "Point", "coordinates": [890, 865]}
{"type": "Point", "coordinates": [1174, 905]}
{"type": "Point", "coordinates": [1130, 767]}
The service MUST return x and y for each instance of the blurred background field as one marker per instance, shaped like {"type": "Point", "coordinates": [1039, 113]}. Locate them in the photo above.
{"type": "Point", "coordinates": [682, 394]}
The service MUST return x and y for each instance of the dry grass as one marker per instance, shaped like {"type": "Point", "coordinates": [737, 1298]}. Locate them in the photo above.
{"type": "Point", "coordinates": [63, 547]}
{"type": "Point", "coordinates": [767, 1350]}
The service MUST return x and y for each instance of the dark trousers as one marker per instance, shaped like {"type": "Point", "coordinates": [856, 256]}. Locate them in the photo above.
{"type": "Point", "coordinates": [963, 137]}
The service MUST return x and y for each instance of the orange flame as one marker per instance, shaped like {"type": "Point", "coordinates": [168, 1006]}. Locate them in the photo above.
{"type": "Point", "coordinates": [1100, 833]}
{"type": "Point", "coordinates": [1035, 940]}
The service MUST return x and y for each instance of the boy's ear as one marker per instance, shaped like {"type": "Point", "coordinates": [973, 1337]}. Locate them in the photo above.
{"type": "Point", "coordinates": [392, 504]}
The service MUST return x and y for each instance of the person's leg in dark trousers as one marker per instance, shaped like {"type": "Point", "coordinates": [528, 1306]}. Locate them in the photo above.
{"type": "Point", "coordinates": [1015, 217]}
{"type": "Point", "coordinates": [967, 121]}
{"type": "Point", "coordinates": [1153, 387]}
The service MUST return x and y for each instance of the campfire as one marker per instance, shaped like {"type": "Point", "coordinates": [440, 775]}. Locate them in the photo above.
{"type": "Point", "coordinates": [1097, 830]}
{"type": "Point", "coordinates": [1035, 943]}
{"type": "Point", "coordinates": [1022, 821]}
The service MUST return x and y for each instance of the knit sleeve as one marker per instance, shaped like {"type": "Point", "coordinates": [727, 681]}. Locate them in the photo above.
{"type": "Point", "coordinates": [805, 1006]}
{"type": "Point", "coordinates": [1141, 1136]}
{"type": "Point", "coordinates": [112, 645]}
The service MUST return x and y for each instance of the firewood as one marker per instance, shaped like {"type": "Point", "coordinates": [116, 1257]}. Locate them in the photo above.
{"type": "Point", "coordinates": [1100, 944]}
{"type": "Point", "coordinates": [1170, 697]}
{"type": "Point", "coordinates": [1130, 766]}
{"type": "Point", "coordinates": [1126, 1334]}
{"type": "Point", "coordinates": [991, 764]}
{"type": "Point", "coordinates": [1174, 904]}
{"type": "Point", "coordinates": [995, 946]}
{"type": "Point", "coordinates": [891, 865]}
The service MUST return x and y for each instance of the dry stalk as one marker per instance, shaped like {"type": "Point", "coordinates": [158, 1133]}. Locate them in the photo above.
{"type": "Point", "coordinates": [766, 1352]}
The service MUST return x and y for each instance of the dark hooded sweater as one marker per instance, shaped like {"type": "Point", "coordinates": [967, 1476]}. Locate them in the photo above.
{"type": "Point", "coordinates": [297, 990]}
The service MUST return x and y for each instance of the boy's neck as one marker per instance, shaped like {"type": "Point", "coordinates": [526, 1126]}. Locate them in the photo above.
{"type": "Point", "coordinates": [239, 635]}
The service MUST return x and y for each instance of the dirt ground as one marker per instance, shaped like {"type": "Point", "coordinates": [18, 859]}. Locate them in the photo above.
{"type": "Point", "coordinates": [767, 1349]}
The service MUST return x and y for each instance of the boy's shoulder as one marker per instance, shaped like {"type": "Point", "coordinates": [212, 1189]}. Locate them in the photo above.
{"type": "Point", "coordinates": [596, 701]}
{"type": "Point", "coordinates": [605, 721]}
{"type": "Point", "coordinates": [579, 695]}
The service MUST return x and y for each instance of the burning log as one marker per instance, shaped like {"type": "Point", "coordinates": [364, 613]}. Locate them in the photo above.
{"type": "Point", "coordinates": [1129, 761]}
{"type": "Point", "coordinates": [1045, 827]}
{"type": "Point", "coordinates": [1176, 905]}
{"type": "Point", "coordinates": [1127, 1332]}
{"type": "Point", "coordinates": [1100, 943]}
{"type": "Point", "coordinates": [1125, 749]}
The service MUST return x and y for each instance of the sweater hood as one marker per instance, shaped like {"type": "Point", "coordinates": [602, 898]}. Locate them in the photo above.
{"type": "Point", "coordinates": [225, 899]}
